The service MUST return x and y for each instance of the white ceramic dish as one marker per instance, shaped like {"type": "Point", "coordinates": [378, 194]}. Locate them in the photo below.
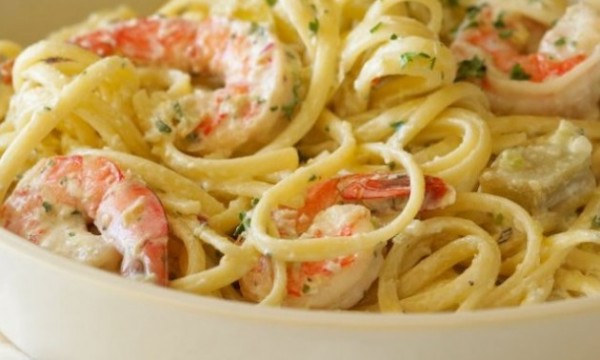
{"type": "Point", "coordinates": [53, 308]}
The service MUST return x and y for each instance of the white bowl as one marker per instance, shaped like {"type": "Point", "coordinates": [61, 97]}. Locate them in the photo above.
{"type": "Point", "coordinates": [53, 308]}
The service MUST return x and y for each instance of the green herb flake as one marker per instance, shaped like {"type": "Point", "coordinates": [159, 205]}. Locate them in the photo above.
{"type": "Point", "coordinates": [305, 288]}
{"type": "Point", "coordinates": [396, 125]}
{"type": "Point", "coordinates": [499, 22]}
{"type": "Point", "coordinates": [375, 28]}
{"type": "Point", "coordinates": [178, 110]}
{"type": "Point", "coordinates": [432, 63]}
{"type": "Point", "coordinates": [410, 56]}
{"type": "Point", "coordinates": [192, 137]}
{"type": "Point", "coordinates": [71, 234]}
{"type": "Point", "coordinates": [313, 177]}
{"type": "Point", "coordinates": [47, 206]}
{"type": "Point", "coordinates": [561, 42]}
{"type": "Point", "coordinates": [393, 37]}
{"type": "Point", "coordinates": [162, 127]}
{"type": "Point", "coordinates": [595, 222]}
{"type": "Point", "coordinates": [289, 108]}
{"type": "Point", "coordinates": [471, 69]}
{"type": "Point", "coordinates": [271, 3]}
{"type": "Point", "coordinates": [313, 26]}
{"type": "Point", "coordinates": [518, 73]}
{"type": "Point", "coordinates": [473, 11]}
{"type": "Point", "coordinates": [499, 219]}
{"type": "Point", "coordinates": [254, 202]}
{"type": "Point", "coordinates": [243, 225]}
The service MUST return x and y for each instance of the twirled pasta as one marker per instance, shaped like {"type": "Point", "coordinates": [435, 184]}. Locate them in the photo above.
{"type": "Point", "coordinates": [381, 185]}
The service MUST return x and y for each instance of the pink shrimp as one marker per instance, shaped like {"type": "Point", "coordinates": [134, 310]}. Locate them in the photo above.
{"type": "Point", "coordinates": [497, 38]}
{"type": "Point", "coordinates": [341, 206]}
{"type": "Point", "coordinates": [56, 203]}
{"type": "Point", "coordinates": [526, 67]}
{"type": "Point", "coordinates": [6, 72]}
{"type": "Point", "coordinates": [260, 76]}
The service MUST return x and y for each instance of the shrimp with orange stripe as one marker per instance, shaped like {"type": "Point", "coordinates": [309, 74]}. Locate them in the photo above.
{"type": "Point", "coordinates": [341, 206]}
{"type": "Point", "coordinates": [87, 209]}
{"type": "Point", "coordinates": [251, 85]}
{"type": "Point", "coordinates": [527, 67]}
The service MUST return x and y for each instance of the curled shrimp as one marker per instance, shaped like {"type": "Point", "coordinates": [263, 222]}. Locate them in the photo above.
{"type": "Point", "coordinates": [260, 77]}
{"type": "Point", "coordinates": [340, 206]}
{"type": "Point", "coordinates": [6, 72]}
{"type": "Point", "coordinates": [85, 208]}
{"type": "Point", "coordinates": [526, 67]}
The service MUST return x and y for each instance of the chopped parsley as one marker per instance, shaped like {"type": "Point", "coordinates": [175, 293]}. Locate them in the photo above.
{"type": "Point", "coordinates": [471, 69]}
{"type": "Point", "coordinates": [47, 206]}
{"type": "Point", "coordinates": [396, 125]}
{"type": "Point", "coordinates": [561, 42]}
{"type": "Point", "coordinates": [518, 73]}
{"type": "Point", "coordinates": [71, 234]}
{"type": "Point", "coordinates": [162, 127]}
{"type": "Point", "coordinates": [192, 137]}
{"type": "Point", "coordinates": [271, 3]}
{"type": "Point", "coordinates": [178, 110]}
{"type": "Point", "coordinates": [499, 219]}
{"type": "Point", "coordinates": [472, 12]}
{"type": "Point", "coordinates": [375, 28]}
{"type": "Point", "coordinates": [410, 56]}
{"type": "Point", "coordinates": [393, 37]}
{"type": "Point", "coordinates": [313, 177]}
{"type": "Point", "coordinates": [432, 63]}
{"type": "Point", "coordinates": [452, 3]}
{"type": "Point", "coordinates": [313, 26]}
{"type": "Point", "coordinates": [289, 108]}
{"type": "Point", "coordinates": [595, 222]}
{"type": "Point", "coordinates": [243, 225]}
{"type": "Point", "coordinates": [499, 22]}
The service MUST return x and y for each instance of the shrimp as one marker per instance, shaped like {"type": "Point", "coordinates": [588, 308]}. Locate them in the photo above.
{"type": "Point", "coordinates": [260, 76]}
{"type": "Point", "coordinates": [341, 206]}
{"type": "Point", "coordinates": [508, 54]}
{"type": "Point", "coordinates": [6, 72]}
{"type": "Point", "coordinates": [62, 203]}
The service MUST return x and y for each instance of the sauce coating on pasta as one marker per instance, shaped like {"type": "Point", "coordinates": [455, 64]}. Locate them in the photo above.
{"type": "Point", "coordinates": [383, 156]}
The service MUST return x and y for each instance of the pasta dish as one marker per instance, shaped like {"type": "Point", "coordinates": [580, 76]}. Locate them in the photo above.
{"type": "Point", "coordinates": [368, 155]}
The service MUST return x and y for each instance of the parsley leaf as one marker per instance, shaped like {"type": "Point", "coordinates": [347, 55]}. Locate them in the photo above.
{"type": "Point", "coordinates": [243, 225]}
{"type": "Point", "coordinates": [469, 69]}
{"type": "Point", "coordinates": [271, 3]}
{"type": "Point", "coordinates": [313, 26]}
{"type": "Point", "coordinates": [518, 73]}
{"type": "Point", "coordinates": [47, 206]}
{"type": "Point", "coordinates": [408, 57]}
{"type": "Point", "coordinates": [595, 222]}
{"type": "Point", "coordinates": [561, 42]}
{"type": "Point", "coordinates": [396, 125]}
{"type": "Point", "coordinates": [162, 127]}
{"type": "Point", "coordinates": [375, 28]}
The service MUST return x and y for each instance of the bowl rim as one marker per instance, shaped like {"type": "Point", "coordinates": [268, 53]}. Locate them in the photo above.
{"type": "Point", "coordinates": [301, 317]}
